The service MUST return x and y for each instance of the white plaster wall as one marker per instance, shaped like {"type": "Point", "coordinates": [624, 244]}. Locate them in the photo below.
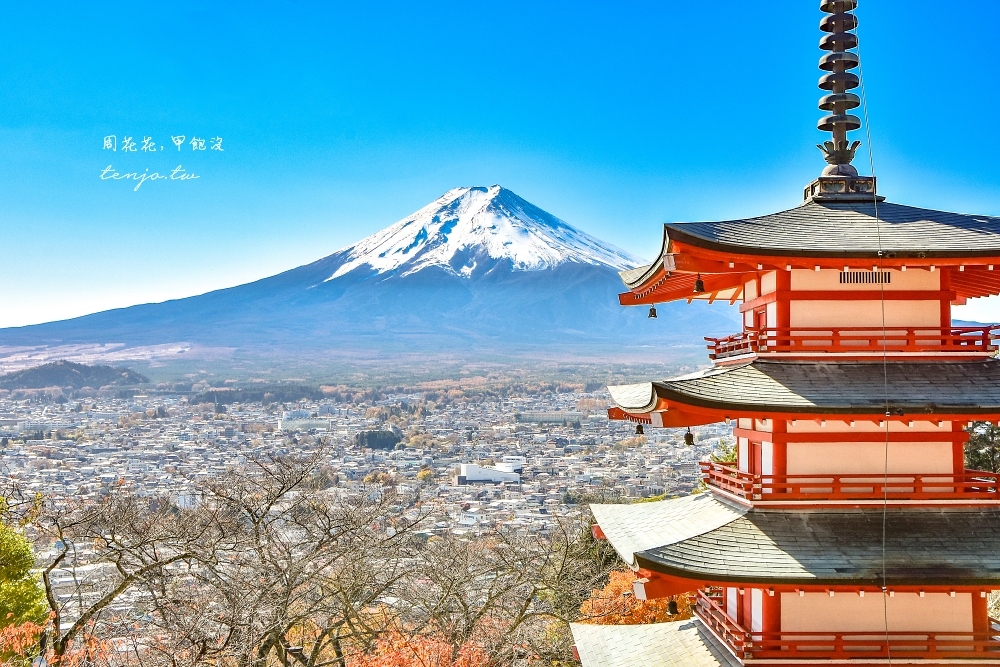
{"type": "Point", "coordinates": [848, 612]}
{"type": "Point", "coordinates": [810, 314]}
{"type": "Point", "coordinates": [767, 458]}
{"type": "Point", "coordinates": [768, 282]}
{"type": "Point", "coordinates": [732, 602]}
{"type": "Point", "coordinates": [756, 610]}
{"type": "Point", "coordinates": [762, 424]}
{"type": "Point", "coordinates": [829, 279]}
{"type": "Point", "coordinates": [743, 454]}
{"type": "Point", "coordinates": [858, 458]}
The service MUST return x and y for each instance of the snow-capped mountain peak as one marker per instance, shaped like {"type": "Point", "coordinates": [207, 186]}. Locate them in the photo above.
{"type": "Point", "coordinates": [469, 230]}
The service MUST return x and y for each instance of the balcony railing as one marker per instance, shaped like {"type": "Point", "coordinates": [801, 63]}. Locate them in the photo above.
{"type": "Point", "coordinates": [969, 485]}
{"type": "Point", "coordinates": [856, 340]}
{"type": "Point", "coordinates": [860, 646]}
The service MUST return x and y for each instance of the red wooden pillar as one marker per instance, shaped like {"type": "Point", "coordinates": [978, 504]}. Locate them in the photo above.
{"type": "Point", "coordinates": [958, 448]}
{"type": "Point", "coordinates": [780, 448]}
{"type": "Point", "coordinates": [945, 303]}
{"type": "Point", "coordinates": [746, 607]}
{"type": "Point", "coordinates": [783, 283]}
{"type": "Point", "coordinates": [980, 615]}
{"type": "Point", "coordinates": [771, 620]}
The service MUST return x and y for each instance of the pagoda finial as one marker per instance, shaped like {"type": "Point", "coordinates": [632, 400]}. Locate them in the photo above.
{"type": "Point", "coordinates": [839, 180]}
{"type": "Point", "coordinates": [838, 80]}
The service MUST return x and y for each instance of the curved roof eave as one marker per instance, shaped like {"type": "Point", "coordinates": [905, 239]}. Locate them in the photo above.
{"type": "Point", "coordinates": [640, 397]}
{"type": "Point", "coordinates": [840, 547]}
{"type": "Point", "coordinates": [642, 274]}
{"type": "Point", "coordinates": [638, 527]}
{"type": "Point", "coordinates": [836, 388]}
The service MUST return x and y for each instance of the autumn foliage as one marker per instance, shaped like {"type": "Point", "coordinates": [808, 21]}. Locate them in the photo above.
{"type": "Point", "coordinates": [398, 649]}
{"type": "Point", "coordinates": [17, 640]}
{"type": "Point", "coordinates": [615, 604]}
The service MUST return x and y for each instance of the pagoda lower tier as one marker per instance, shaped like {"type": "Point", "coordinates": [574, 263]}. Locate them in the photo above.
{"type": "Point", "coordinates": [846, 531]}
{"type": "Point", "coordinates": [797, 587]}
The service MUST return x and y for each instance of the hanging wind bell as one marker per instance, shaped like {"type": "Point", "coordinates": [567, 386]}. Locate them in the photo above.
{"type": "Point", "coordinates": [689, 438]}
{"type": "Point", "coordinates": [638, 429]}
{"type": "Point", "coordinates": [699, 285]}
{"type": "Point", "coordinates": [652, 312]}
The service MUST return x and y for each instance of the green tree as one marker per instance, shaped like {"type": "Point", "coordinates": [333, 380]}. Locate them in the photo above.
{"type": "Point", "coordinates": [21, 596]}
{"type": "Point", "coordinates": [725, 453]}
{"type": "Point", "coordinates": [982, 450]}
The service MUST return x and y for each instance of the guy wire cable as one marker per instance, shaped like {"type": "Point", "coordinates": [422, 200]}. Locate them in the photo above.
{"type": "Point", "coordinates": [885, 360]}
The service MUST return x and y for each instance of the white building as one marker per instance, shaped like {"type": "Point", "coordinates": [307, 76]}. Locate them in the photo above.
{"type": "Point", "coordinates": [470, 473]}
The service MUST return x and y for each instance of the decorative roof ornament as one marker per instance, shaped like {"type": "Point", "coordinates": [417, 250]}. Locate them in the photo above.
{"type": "Point", "coordinates": [838, 80]}
{"type": "Point", "coordinates": [839, 180]}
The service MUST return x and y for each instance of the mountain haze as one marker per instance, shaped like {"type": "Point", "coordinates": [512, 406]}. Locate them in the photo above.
{"type": "Point", "coordinates": [479, 271]}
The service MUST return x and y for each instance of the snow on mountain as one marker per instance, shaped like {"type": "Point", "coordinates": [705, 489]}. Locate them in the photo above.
{"type": "Point", "coordinates": [467, 231]}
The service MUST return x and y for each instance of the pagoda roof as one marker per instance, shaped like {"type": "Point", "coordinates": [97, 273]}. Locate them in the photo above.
{"type": "Point", "coordinates": [922, 546]}
{"type": "Point", "coordinates": [944, 387]}
{"type": "Point", "coordinates": [845, 229]}
{"type": "Point", "coordinates": [677, 644]}
{"type": "Point", "coordinates": [960, 547]}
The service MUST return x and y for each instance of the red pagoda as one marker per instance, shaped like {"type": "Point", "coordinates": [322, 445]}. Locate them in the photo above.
{"type": "Point", "coordinates": [848, 531]}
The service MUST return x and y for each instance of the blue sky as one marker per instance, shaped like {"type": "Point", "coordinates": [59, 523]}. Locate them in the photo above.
{"type": "Point", "coordinates": [338, 119]}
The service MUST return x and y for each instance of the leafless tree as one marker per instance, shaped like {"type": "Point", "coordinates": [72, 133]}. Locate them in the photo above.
{"type": "Point", "coordinates": [113, 548]}
{"type": "Point", "coordinates": [510, 592]}
{"type": "Point", "coordinates": [274, 566]}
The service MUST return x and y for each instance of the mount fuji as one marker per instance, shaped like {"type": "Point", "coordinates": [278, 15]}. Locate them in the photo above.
{"type": "Point", "coordinates": [477, 272]}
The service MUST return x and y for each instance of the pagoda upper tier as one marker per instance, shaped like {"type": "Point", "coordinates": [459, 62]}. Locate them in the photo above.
{"type": "Point", "coordinates": [839, 235]}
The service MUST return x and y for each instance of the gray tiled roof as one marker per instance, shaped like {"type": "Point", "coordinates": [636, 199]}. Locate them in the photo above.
{"type": "Point", "coordinates": [835, 387]}
{"type": "Point", "coordinates": [922, 546]}
{"type": "Point", "coordinates": [823, 229]}
{"type": "Point", "coordinates": [677, 644]}
{"type": "Point", "coordinates": [641, 526]}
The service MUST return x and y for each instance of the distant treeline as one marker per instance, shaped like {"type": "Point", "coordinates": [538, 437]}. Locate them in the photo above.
{"type": "Point", "coordinates": [269, 394]}
{"type": "Point", "coordinates": [68, 374]}
{"type": "Point", "coordinates": [377, 439]}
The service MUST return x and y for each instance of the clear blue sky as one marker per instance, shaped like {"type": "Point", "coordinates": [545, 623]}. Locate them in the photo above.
{"type": "Point", "coordinates": [339, 119]}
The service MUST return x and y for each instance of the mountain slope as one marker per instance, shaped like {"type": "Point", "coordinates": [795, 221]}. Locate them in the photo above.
{"type": "Point", "coordinates": [478, 271]}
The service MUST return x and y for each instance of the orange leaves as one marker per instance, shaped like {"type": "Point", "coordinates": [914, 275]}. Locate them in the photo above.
{"type": "Point", "coordinates": [17, 639]}
{"type": "Point", "coordinates": [397, 649]}
{"type": "Point", "coordinates": [616, 604]}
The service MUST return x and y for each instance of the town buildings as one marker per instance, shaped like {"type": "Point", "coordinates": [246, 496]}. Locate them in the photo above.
{"type": "Point", "coordinates": [162, 444]}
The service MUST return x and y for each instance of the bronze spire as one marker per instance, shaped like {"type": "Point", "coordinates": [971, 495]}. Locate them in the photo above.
{"type": "Point", "coordinates": [839, 181]}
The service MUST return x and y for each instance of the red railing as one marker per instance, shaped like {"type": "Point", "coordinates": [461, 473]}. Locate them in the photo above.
{"type": "Point", "coordinates": [969, 485]}
{"type": "Point", "coordinates": [855, 340]}
{"type": "Point", "coordinates": [843, 645]}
